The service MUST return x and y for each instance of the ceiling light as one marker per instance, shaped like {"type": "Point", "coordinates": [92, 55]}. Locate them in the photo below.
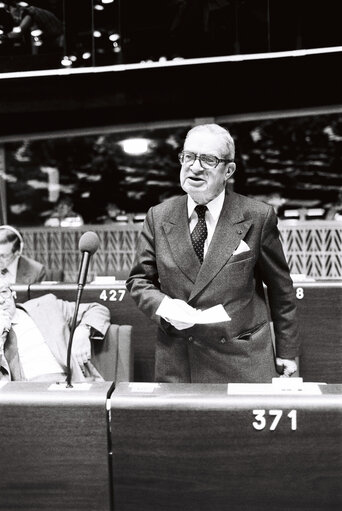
{"type": "Point", "coordinates": [36, 33]}
{"type": "Point", "coordinates": [114, 37]}
{"type": "Point", "coordinates": [135, 146]}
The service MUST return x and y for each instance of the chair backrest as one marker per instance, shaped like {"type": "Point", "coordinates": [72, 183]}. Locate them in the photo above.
{"type": "Point", "coordinates": [113, 356]}
{"type": "Point", "coordinates": [54, 275]}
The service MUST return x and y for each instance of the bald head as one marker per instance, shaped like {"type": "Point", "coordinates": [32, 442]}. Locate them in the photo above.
{"type": "Point", "coordinates": [228, 144]}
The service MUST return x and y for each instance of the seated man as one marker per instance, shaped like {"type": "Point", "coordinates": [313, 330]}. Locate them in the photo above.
{"type": "Point", "coordinates": [18, 269]}
{"type": "Point", "coordinates": [64, 215]}
{"type": "Point", "coordinates": [34, 337]}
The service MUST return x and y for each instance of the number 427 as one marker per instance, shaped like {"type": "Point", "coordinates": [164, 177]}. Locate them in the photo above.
{"type": "Point", "coordinates": [260, 420]}
{"type": "Point", "coordinates": [114, 295]}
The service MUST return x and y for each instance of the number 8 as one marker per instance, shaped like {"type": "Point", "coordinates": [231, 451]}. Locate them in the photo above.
{"type": "Point", "coordinates": [299, 293]}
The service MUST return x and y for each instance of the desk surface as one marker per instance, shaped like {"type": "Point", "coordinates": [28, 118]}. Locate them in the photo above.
{"type": "Point", "coordinates": [54, 448]}
{"type": "Point", "coordinates": [184, 447]}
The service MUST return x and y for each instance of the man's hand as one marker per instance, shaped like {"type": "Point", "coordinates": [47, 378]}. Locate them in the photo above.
{"type": "Point", "coordinates": [286, 367]}
{"type": "Point", "coordinates": [81, 348]}
{"type": "Point", "coordinates": [179, 325]}
{"type": "Point", "coordinates": [180, 307]}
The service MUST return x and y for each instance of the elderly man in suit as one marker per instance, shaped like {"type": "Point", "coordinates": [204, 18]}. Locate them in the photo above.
{"type": "Point", "coordinates": [18, 269]}
{"type": "Point", "coordinates": [34, 337]}
{"type": "Point", "coordinates": [215, 247]}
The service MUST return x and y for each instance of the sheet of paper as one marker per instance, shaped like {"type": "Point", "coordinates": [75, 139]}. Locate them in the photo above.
{"type": "Point", "coordinates": [215, 314]}
{"type": "Point", "coordinates": [143, 386]}
{"type": "Point", "coordinates": [269, 388]}
{"type": "Point", "coordinates": [180, 311]}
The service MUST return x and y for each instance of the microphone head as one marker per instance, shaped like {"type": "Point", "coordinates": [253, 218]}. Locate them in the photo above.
{"type": "Point", "coordinates": [89, 242]}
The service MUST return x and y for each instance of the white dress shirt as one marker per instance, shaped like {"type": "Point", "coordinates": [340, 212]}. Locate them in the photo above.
{"type": "Point", "coordinates": [211, 216]}
{"type": "Point", "coordinates": [34, 354]}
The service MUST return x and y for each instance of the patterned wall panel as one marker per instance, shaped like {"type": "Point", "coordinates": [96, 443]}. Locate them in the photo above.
{"type": "Point", "coordinates": [311, 248]}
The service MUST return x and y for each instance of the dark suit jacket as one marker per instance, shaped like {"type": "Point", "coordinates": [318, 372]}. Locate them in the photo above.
{"type": "Point", "coordinates": [29, 271]}
{"type": "Point", "coordinates": [239, 350]}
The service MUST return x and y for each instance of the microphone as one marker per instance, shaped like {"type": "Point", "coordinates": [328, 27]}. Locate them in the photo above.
{"type": "Point", "coordinates": [88, 244]}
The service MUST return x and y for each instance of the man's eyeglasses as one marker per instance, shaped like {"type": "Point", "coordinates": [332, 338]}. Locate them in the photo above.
{"type": "Point", "coordinates": [6, 257]}
{"type": "Point", "coordinates": [207, 161]}
{"type": "Point", "coordinates": [6, 292]}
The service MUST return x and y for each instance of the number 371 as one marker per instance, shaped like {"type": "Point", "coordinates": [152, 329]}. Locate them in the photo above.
{"type": "Point", "coordinates": [260, 421]}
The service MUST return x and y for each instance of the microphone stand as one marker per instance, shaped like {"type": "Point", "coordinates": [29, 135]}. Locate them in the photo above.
{"type": "Point", "coordinates": [81, 281]}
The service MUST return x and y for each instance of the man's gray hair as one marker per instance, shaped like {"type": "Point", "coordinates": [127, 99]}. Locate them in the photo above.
{"type": "Point", "coordinates": [220, 131]}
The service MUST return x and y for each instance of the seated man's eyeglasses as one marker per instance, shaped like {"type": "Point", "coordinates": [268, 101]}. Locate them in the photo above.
{"type": "Point", "coordinates": [207, 161]}
{"type": "Point", "coordinates": [6, 292]}
{"type": "Point", "coordinates": [5, 257]}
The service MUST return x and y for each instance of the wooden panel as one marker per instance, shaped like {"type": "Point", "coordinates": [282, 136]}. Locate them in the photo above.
{"type": "Point", "coordinates": [184, 447]}
{"type": "Point", "coordinates": [320, 326]}
{"type": "Point", "coordinates": [160, 93]}
{"type": "Point", "coordinates": [54, 450]}
{"type": "Point", "coordinates": [311, 248]}
{"type": "Point", "coordinates": [21, 292]}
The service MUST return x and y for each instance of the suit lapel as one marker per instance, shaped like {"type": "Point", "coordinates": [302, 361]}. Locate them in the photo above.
{"type": "Point", "coordinates": [231, 228]}
{"type": "Point", "coordinates": [12, 356]}
{"type": "Point", "coordinates": [178, 235]}
{"type": "Point", "coordinates": [22, 271]}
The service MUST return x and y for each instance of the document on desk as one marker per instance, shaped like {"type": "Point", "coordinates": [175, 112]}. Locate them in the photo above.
{"type": "Point", "coordinates": [180, 311]}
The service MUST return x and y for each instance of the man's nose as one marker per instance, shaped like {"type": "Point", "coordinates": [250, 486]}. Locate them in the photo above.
{"type": "Point", "coordinates": [196, 165]}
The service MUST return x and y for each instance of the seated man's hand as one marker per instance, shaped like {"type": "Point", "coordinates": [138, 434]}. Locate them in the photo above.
{"type": "Point", "coordinates": [286, 367]}
{"type": "Point", "coordinates": [81, 347]}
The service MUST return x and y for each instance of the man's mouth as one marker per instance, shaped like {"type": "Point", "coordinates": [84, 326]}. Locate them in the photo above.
{"type": "Point", "coordinates": [196, 179]}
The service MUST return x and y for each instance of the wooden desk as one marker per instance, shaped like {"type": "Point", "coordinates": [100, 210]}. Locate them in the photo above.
{"type": "Point", "coordinates": [193, 447]}
{"type": "Point", "coordinates": [320, 327]}
{"type": "Point", "coordinates": [54, 448]}
{"type": "Point", "coordinates": [21, 292]}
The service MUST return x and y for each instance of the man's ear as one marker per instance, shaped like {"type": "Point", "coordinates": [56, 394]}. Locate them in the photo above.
{"type": "Point", "coordinates": [231, 168]}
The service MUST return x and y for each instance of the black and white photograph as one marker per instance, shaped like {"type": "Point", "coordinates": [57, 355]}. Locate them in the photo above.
{"type": "Point", "coordinates": [170, 255]}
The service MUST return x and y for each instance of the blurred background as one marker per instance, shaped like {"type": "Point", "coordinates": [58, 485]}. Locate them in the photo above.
{"type": "Point", "coordinates": [97, 95]}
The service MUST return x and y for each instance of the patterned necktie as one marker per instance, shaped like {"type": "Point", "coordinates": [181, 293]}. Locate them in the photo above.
{"type": "Point", "coordinates": [200, 232]}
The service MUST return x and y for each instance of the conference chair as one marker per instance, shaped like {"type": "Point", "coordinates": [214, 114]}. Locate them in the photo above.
{"type": "Point", "coordinates": [55, 275]}
{"type": "Point", "coordinates": [113, 356]}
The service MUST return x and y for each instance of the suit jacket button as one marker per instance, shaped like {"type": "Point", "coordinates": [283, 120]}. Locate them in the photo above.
{"type": "Point", "coordinates": [190, 339]}
{"type": "Point", "coordinates": [239, 231]}
{"type": "Point", "coordinates": [222, 340]}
